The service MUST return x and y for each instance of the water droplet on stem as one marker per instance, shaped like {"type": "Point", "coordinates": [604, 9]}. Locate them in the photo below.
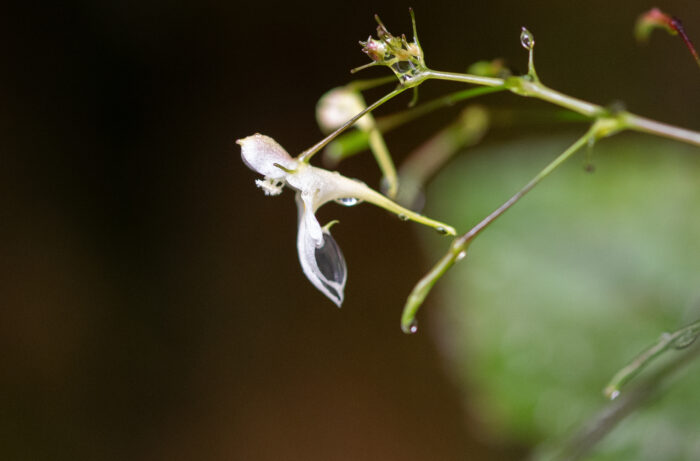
{"type": "Point", "coordinates": [685, 340]}
{"type": "Point", "coordinates": [527, 40]}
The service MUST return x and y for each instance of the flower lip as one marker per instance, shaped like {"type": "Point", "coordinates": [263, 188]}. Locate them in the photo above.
{"type": "Point", "coordinates": [260, 153]}
{"type": "Point", "coordinates": [320, 256]}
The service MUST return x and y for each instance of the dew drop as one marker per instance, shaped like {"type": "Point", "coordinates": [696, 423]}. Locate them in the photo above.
{"type": "Point", "coordinates": [441, 230]}
{"type": "Point", "coordinates": [413, 327]}
{"type": "Point", "coordinates": [685, 340]}
{"type": "Point", "coordinates": [527, 40]}
{"type": "Point", "coordinates": [403, 217]}
{"type": "Point", "coordinates": [462, 254]}
{"type": "Point", "coordinates": [348, 201]}
{"type": "Point", "coordinates": [384, 185]}
{"type": "Point", "coordinates": [614, 394]}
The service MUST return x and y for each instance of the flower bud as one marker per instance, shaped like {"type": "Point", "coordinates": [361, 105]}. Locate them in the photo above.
{"type": "Point", "coordinates": [404, 58]}
{"type": "Point", "coordinates": [340, 105]}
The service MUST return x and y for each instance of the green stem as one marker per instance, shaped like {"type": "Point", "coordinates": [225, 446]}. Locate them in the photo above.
{"type": "Point", "coordinates": [524, 86]}
{"type": "Point", "coordinates": [467, 238]}
{"type": "Point", "coordinates": [464, 78]}
{"type": "Point", "coordinates": [459, 246]}
{"type": "Point", "coordinates": [678, 339]}
{"type": "Point", "coordinates": [595, 429]}
{"type": "Point", "coordinates": [404, 214]}
{"type": "Point", "coordinates": [383, 159]}
{"type": "Point", "coordinates": [645, 125]}
{"type": "Point", "coordinates": [389, 122]}
{"type": "Point", "coordinates": [308, 153]}
{"type": "Point", "coordinates": [367, 84]}
{"type": "Point", "coordinates": [423, 287]}
{"type": "Point", "coordinates": [353, 142]}
{"type": "Point", "coordinates": [535, 89]}
{"type": "Point", "coordinates": [351, 188]}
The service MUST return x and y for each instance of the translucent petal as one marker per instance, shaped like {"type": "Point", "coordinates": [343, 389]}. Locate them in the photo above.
{"type": "Point", "coordinates": [322, 261]}
{"type": "Point", "coordinates": [306, 209]}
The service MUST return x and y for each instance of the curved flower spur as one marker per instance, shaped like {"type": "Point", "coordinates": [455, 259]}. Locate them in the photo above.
{"type": "Point", "coordinates": [321, 259]}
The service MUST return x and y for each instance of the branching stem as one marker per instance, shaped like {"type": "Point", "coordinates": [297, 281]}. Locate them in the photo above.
{"type": "Point", "coordinates": [459, 246]}
{"type": "Point", "coordinates": [606, 123]}
{"type": "Point", "coordinates": [524, 86]}
{"type": "Point", "coordinates": [678, 339]}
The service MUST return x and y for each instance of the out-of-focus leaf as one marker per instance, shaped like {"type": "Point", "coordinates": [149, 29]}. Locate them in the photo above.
{"type": "Point", "coordinates": [570, 284]}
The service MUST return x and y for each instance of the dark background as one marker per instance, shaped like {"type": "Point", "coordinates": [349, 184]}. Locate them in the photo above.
{"type": "Point", "coordinates": [152, 302]}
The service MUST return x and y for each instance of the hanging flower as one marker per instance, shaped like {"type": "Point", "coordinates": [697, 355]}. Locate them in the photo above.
{"type": "Point", "coordinates": [320, 257]}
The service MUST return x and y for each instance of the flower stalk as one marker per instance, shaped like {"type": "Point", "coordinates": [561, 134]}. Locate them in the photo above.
{"type": "Point", "coordinates": [679, 339]}
{"type": "Point", "coordinates": [458, 248]}
{"type": "Point", "coordinates": [336, 107]}
{"type": "Point", "coordinates": [305, 156]}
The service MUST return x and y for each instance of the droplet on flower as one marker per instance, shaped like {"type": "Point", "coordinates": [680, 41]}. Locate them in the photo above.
{"type": "Point", "coordinates": [348, 201]}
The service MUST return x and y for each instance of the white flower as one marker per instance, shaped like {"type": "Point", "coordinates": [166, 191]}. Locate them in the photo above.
{"type": "Point", "coordinates": [320, 257]}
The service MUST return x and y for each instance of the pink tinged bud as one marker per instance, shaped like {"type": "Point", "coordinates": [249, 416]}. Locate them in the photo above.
{"type": "Point", "coordinates": [657, 19]}
{"type": "Point", "coordinates": [653, 19]}
{"type": "Point", "coordinates": [375, 49]}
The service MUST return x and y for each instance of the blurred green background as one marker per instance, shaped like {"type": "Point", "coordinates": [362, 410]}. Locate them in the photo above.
{"type": "Point", "coordinates": [152, 302]}
{"type": "Point", "coordinates": [569, 285]}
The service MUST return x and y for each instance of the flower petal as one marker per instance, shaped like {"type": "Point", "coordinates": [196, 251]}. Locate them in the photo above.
{"type": "Point", "coordinates": [306, 209]}
{"type": "Point", "coordinates": [260, 153]}
{"type": "Point", "coordinates": [321, 260]}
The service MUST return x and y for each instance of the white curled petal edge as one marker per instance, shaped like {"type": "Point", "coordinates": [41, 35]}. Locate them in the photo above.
{"type": "Point", "coordinates": [320, 257]}
{"type": "Point", "coordinates": [263, 154]}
